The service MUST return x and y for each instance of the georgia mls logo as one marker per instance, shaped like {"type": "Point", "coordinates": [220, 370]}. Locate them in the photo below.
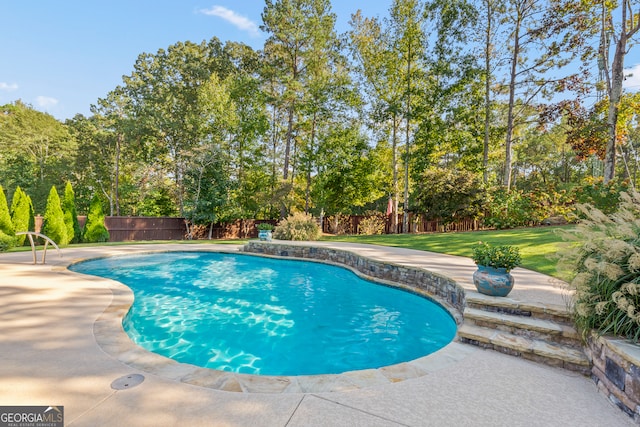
{"type": "Point", "coordinates": [31, 416]}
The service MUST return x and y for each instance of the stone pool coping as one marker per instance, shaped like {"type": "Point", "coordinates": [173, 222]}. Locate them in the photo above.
{"type": "Point", "coordinates": [112, 338]}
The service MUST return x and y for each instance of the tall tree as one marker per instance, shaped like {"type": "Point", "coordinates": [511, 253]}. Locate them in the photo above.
{"type": "Point", "coordinates": [372, 48]}
{"type": "Point", "coordinates": [406, 22]}
{"type": "Point", "coordinates": [293, 27]}
{"type": "Point", "coordinates": [248, 140]}
{"type": "Point", "coordinates": [622, 32]}
{"type": "Point", "coordinates": [164, 90]}
{"type": "Point", "coordinates": [207, 171]}
{"type": "Point", "coordinates": [37, 150]}
{"type": "Point", "coordinates": [301, 44]}
{"type": "Point", "coordinates": [543, 38]}
{"type": "Point", "coordinates": [113, 115]}
{"type": "Point", "coordinates": [490, 10]}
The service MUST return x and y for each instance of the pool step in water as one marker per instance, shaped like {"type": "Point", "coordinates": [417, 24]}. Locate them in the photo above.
{"type": "Point", "coordinates": [533, 332]}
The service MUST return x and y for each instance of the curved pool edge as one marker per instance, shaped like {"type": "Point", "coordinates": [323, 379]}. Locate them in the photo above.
{"type": "Point", "coordinates": [113, 340]}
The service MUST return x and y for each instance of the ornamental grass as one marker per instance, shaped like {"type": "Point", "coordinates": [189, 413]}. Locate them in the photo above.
{"type": "Point", "coordinates": [604, 253]}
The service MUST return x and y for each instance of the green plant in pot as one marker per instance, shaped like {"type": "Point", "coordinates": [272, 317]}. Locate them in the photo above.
{"type": "Point", "coordinates": [264, 231]}
{"type": "Point", "coordinates": [494, 264]}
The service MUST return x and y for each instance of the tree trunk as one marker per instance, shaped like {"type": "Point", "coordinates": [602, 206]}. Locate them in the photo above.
{"type": "Point", "coordinates": [487, 94]}
{"type": "Point", "coordinates": [307, 201]}
{"type": "Point", "coordinates": [506, 180]}
{"type": "Point", "coordinates": [396, 191]}
{"type": "Point", "coordinates": [629, 26]}
{"type": "Point", "coordinates": [287, 149]}
{"type": "Point", "coordinates": [615, 93]}
{"type": "Point", "coordinates": [116, 191]}
{"type": "Point", "coordinates": [405, 213]}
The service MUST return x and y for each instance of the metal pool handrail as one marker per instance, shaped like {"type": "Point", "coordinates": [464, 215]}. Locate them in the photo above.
{"type": "Point", "coordinates": [47, 240]}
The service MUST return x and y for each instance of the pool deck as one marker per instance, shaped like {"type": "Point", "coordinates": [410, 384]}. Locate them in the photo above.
{"type": "Point", "coordinates": [50, 355]}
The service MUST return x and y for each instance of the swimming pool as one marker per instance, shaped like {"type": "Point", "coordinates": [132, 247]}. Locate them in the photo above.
{"type": "Point", "coordinates": [256, 315]}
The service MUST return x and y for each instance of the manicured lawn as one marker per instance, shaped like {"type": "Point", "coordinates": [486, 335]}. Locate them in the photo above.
{"type": "Point", "coordinates": [537, 244]}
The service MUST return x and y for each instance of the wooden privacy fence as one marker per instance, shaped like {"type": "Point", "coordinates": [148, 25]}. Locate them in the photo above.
{"type": "Point", "coordinates": [132, 228]}
{"type": "Point", "coordinates": [128, 228]}
{"type": "Point", "coordinates": [417, 224]}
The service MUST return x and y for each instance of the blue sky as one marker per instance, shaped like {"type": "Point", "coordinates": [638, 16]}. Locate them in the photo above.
{"type": "Point", "coordinates": [61, 56]}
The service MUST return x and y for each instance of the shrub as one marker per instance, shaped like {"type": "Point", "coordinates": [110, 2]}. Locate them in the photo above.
{"type": "Point", "coordinates": [604, 197]}
{"type": "Point", "coordinates": [70, 214]}
{"type": "Point", "coordinates": [505, 256]}
{"type": "Point", "coordinates": [94, 229]}
{"type": "Point", "coordinates": [53, 221]}
{"type": "Point", "coordinates": [448, 195]}
{"type": "Point", "coordinates": [605, 256]}
{"type": "Point", "coordinates": [373, 223]}
{"type": "Point", "coordinates": [21, 214]}
{"type": "Point", "coordinates": [339, 224]}
{"type": "Point", "coordinates": [265, 226]}
{"type": "Point", "coordinates": [298, 226]}
{"type": "Point", "coordinates": [509, 209]}
{"type": "Point", "coordinates": [6, 241]}
{"type": "Point", "coordinates": [6, 226]}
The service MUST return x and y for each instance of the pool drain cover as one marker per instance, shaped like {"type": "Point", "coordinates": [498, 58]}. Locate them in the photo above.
{"type": "Point", "coordinates": [127, 382]}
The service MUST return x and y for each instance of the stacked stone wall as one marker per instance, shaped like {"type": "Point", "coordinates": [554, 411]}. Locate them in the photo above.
{"type": "Point", "coordinates": [616, 371]}
{"type": "Point", "coordinates": [440, 288]}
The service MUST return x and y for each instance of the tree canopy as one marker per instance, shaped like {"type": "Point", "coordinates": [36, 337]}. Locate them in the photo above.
{"type": "Point", "coordinates": [436, 96]}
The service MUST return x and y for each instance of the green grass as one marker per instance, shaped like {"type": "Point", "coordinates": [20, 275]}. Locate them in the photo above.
{"type": "Point", "coordinates": [537, 244]}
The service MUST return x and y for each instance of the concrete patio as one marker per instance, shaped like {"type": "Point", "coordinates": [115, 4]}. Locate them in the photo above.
{"type": "Point", "coordinates": [49, 355]}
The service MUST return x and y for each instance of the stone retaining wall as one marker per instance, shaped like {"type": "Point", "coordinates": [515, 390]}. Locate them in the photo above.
{"type": "Point", "coordinates": [616, 371]}
{"type": "Point", "coordinates": [440, 288]}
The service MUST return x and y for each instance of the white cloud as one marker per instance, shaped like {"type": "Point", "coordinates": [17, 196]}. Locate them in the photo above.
{"type": "Point", "coordinates": [8, 87]}
{"type": "Point", "coordinates": [632, 78]}
{"type": "Point", "coordinates": [228, 15]}
{"type": "Point", "coordinates": [46, 101]}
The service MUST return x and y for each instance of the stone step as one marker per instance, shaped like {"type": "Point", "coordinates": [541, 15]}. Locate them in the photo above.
{"type": "Point", "coordinates": [537, 350]}
{"type": "Point", "coordinates": [556, 313]}
{"type": "Point", "coordinates": [530, 327]}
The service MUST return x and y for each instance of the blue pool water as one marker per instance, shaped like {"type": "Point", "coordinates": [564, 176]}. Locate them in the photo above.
{"type": "Point", "coordinates": [256, 315]}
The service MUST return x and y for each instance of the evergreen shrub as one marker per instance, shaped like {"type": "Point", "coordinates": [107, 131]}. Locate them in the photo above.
{"type": "Point", "coordinates": [21, 214]}
{"type": "Point", "coordinates": [6, 241]}
{"type": "Point", "coordinates": [53, 225]}
{"type": "Point", "coordinates": [95, 230]}
{"type": "Point", "coordinates": [70, 214]}
{"type": "Point", "coordinates": [6, 225]}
